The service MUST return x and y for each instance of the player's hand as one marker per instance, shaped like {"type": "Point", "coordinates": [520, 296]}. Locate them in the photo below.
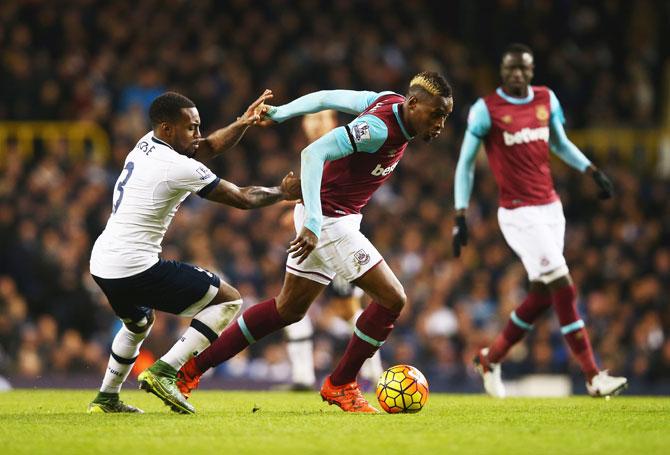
{"type": "Point", "coordinates": [302, 245]}
{"type": "Point", "coordinates": [256, 110]}
{"type": "Point", "coordinates": [605, 184]}
{"type": "Point", "coordinates": [290, 187]}
{"type": "Point", "coordinates": [460, 234]}
{"type": "Point", "coordinates": [265, 120]}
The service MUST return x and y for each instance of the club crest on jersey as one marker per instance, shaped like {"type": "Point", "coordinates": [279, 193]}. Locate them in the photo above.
{"type": "Point", "coordinates": [361, 257]}
{"type": "Point", "coordinates": [506, 119]}
{"type": "Point", "coordinates": [361, 132]}
{"type": "Point", "coordinates": [203, 172]}
{"type": "Point", "coordinates": [542, 113]}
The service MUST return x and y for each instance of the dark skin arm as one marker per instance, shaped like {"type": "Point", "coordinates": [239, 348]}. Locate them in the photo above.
{"type": "Point", "coordinates": [225, 138]}
{"type": "Point", "coordinates": [251, 197]}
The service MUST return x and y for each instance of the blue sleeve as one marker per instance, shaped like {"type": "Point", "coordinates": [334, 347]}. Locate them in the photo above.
{"type": "Point", "coordinates": [331, 146]}
{"type": "Point", "coordinates": [465, 170]}
{"type": "Point", "coordinates": [348, 101]}
{"type": "Point", "coordinates": [556, 109]}
{"type": "Point", "coordinates": [558, 140]}
{"type": "Point", "coordinates": [479, 119]}
{"type": "Point", "coordinates": [367, 133]}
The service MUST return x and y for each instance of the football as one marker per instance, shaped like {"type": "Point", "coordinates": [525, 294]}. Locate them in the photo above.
{"type": "Point", "coordinates": [402, 388]}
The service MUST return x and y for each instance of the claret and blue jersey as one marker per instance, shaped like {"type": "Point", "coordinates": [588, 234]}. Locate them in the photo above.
{"type": "Point", "coordinates": [341, 170]}
{"type": "Point", "coordinates": [518, 134]}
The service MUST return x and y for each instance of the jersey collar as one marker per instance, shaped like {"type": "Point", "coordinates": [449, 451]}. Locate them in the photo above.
{"type": "Point", "coordinates": [513, 100]}
{"type": "Point", "coordinates": [400, 123]}
{"type": "Point", "coordinates": [158, 141]}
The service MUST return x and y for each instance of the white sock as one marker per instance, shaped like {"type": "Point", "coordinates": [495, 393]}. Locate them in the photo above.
{"type": "Point", "coordinates": [372, 368]}
{"type": "Point", "coordinates": [300, 350]}
{"type": "Point", "coordinates": [189, 345]}
{"type": "Point", "coordinates": [125, 349]}
{"type": "Point", "coordinates": [205, 327]}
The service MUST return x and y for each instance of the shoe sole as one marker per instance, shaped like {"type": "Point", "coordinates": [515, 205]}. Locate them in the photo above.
{"type": "Point", "coordinates": [337, 403]}
{"type": "Point", "coordinates": [614, 392]}
{"type": "Point", "coordinates": [97, 409]}
{"type": "Point", "coordinates": [148, 384]}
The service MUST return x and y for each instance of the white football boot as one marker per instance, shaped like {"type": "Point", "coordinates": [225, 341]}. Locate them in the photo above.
{"type": "Point", "coordinates": [490, 373]}
{"type": "Point", "coordinates": [603, 385]}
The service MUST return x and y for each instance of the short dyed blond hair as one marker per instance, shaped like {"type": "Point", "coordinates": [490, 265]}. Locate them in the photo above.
{"type": "Point", "coordinates": [432, 82]}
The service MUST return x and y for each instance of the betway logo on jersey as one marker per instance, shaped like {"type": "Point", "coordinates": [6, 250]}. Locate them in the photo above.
{"type": "Point", "coordinates": [383, 171]}
{"type": "Point", "coordinates": [526, 135]}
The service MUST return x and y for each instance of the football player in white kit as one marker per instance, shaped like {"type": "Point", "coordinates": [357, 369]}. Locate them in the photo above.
{"type": "Point", "coordinates": [519, 124]}
{"type": "Point", "coordinates": [158, 175]}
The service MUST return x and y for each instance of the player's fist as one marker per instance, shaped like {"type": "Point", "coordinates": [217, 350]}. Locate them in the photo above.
{"type": "Point", "coordinates": [303, 244]}
{"type": "Point", "coordinates": [290, 187]}
{"type": "Point", "coordinates": [605, 184]}
{"type": "Point", "coordinates": [460, 234]}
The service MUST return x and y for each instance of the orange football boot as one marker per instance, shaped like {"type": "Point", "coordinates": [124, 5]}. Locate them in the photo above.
{"type": "Point", "coordinates": [188, 378]}
{"type": "Point", "coordinates": [348, 397]}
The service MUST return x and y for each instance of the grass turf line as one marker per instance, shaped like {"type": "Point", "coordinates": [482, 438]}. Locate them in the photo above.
{"type": "Point", "coordinates": [54, 421]}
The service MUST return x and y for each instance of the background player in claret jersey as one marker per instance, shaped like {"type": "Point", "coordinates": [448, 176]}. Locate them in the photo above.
{"type": "Point", "coordinates": [159, 174]}
{"type": "Point", "coordinates": [344, 299]}
{"type": "Point", "coordinates": [339, 173]}
{"type": "Point", "coordinates": [518, 125]}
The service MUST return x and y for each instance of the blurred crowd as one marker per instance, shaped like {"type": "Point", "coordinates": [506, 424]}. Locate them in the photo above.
{"type": "Point", "coordinates": [106, 61]}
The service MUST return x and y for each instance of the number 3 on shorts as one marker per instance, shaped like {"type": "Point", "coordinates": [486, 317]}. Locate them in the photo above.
{"type": "Point", "coordinates": [129, 167]}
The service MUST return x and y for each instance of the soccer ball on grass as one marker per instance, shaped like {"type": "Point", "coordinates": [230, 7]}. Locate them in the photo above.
{"type": "Point", "coordinates": [402, 388]}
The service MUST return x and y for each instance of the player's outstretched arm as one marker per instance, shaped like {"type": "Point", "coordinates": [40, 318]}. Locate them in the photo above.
{"type": "Point", "coordinates": [251, 197]}
{"type": "Point", "coordinates": [347, 101]}
{"type": "Point", "coordinates": [225, 138]}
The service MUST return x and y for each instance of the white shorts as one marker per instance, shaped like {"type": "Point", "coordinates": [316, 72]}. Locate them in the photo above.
{"type": "Point", "coordinates": [536, 234]}
{"type": "Point", "coordinates": [342, 250]}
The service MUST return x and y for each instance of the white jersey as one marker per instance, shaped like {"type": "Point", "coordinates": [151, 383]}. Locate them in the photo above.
{"type": "Point", "coordinates": [154, 181]}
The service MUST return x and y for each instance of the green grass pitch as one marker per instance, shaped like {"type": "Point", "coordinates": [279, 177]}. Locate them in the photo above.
{"type": "Point", "coordinates": [54, 421]}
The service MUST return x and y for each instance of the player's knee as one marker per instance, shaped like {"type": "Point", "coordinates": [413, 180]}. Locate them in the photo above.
{"type": "Point", "coordinates": [395, 300]}
{"type": "Point", "coordinates": [292, 315]}
{"type": "Point", "coordinates": [217, 316]}
{"type": "Point", "coordinates": [143, 325]}
{"type": "Point", "coordinates": [292, 305]}
{"type": "Point", "coordinates": [227, 293]}
{"type": "Point", "coordinates": [291, 310]}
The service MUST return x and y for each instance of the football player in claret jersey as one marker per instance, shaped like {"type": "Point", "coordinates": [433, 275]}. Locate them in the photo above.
{"type": "Point", "coordinates": [339, 173]}
{"type": "Point", "coordinates": [344, 299]}
{"type": "Point", "coordinates": [159, 173]}
{"type": "Point", "coordinates": [519, 124]}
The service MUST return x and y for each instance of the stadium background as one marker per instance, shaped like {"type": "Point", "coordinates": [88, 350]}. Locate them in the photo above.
{"type": "Point", "coordinates": [101, 63]}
